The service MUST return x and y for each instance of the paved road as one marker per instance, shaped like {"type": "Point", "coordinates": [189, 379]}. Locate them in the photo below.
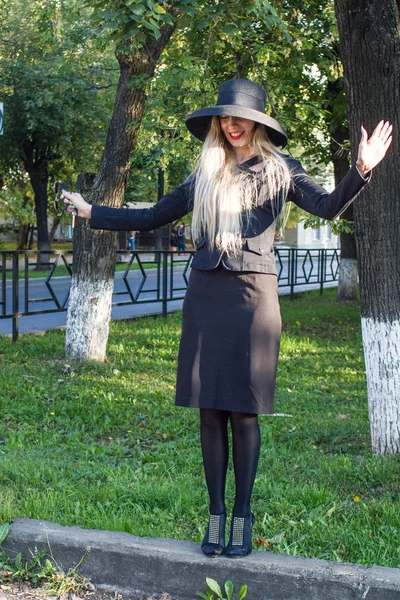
{"type": "Point", "coordinates": [40, 298]}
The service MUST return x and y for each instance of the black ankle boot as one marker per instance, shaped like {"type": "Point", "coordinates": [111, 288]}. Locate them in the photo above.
{"type": "Point", "coordinates": [240, 540]}
{"type": "Point", "coordinates": [213, 543]}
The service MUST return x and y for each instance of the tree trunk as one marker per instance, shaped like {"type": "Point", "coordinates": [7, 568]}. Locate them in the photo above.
{"type": "Point", "coordinates": [53, 229]}
{"type": "Point", "coordinates": [94, 251]}
{"type": "Point", "coordinates": [37, 168]}
{"type": "Point", "coordinates": [348, 269]}
{"type": "Point", "coordinates": [370, 55]}
{"type": "Point", "coordinates": [30, 237]}
{"type": "Point", "coordinates": [348, 273]}
{"type": "Point", "coordinates": [23, 230]}
{"type": "Point", "coordinates": [22, 240]}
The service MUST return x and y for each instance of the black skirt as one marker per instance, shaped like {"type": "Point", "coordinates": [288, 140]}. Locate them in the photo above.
{"type": "Point", "coordinates": [231, 327]}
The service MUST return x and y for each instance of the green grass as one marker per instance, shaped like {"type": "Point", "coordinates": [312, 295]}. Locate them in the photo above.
{"type": "Point", "coordinates": [10, 245]}
{"type": "Point", "coordinates": [103, 446]}
{"type": "Point", "coordinates": [62, 271]}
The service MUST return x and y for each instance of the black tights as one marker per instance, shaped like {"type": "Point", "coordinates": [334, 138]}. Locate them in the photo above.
{"type": "Point", "coordinates": [215, 449]}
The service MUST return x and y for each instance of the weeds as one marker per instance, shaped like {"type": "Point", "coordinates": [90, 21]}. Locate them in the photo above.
{"type": "Point", "coordinates": [214, 592]}
{"type": "Point", "coordinates": [21, 569]}
{"type": "Point", "coordinates": [40, 570]}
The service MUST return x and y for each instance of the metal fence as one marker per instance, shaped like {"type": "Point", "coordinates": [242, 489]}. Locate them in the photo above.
{"type": "Point", "coordinates": [34, 284]}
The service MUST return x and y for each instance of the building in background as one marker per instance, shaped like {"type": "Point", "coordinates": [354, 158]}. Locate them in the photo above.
{"type": "Point", "coordinates": [310, 238]}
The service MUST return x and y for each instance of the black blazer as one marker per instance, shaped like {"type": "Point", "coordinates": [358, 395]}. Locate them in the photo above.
{"type": "Point", "coordinates": [258, 232]}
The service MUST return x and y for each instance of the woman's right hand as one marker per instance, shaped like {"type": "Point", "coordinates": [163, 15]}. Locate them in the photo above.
{"type": "Point", "coordinates": [84, 209]}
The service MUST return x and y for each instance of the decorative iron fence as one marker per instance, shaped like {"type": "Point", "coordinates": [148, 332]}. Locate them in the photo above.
{"type": "Point", "coordinates": [33, 284]}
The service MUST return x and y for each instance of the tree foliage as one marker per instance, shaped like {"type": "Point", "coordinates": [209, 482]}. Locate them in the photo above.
{"type": "Point", "coordinates": [56, 94]}
{"type": "Point", "coordinates": [290, 49]}
{"type": "Point", "coordinates": [213, 41]}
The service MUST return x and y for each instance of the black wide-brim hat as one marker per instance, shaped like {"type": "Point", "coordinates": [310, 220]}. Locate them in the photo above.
{"type": "Point", "coordinates": [237, 98]}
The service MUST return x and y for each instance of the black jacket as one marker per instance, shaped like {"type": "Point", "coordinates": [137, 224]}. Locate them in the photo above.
{"type": "Point", "coordinates": [259, 232]}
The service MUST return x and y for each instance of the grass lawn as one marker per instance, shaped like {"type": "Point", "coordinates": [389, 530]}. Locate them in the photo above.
{"type": "Point", "coordinates": [102, 445]}
{"type": "Point", "coordinates": [62, 271]}
{"type": "Point", "coordinates": [11, 245]}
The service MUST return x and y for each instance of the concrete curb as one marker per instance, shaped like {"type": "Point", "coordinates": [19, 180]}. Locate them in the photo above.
{"type": "Point", "coordinates": [140, 566]}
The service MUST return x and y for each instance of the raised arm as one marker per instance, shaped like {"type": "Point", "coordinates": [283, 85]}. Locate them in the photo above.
{"type": "Point", "coordinates": [313, 198]}
{"type": "Point", "coordinates": [171, 207]}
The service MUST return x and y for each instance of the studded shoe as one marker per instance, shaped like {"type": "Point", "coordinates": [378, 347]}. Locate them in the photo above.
{"type": "Point", "coordinates": [213, 543]}
{"type": "Point", "coordinates": [240, 540]}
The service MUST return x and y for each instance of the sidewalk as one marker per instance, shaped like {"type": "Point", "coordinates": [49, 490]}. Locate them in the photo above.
{"type": "Point", "coordinates": [138, 567]}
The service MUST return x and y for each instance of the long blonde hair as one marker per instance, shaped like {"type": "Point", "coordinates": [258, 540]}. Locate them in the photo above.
{"type": "Point", "coordinates": [224, 193]}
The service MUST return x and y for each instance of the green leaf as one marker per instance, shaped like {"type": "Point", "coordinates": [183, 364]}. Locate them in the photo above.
{"type": "Point", "coordinates": [229, 587]}
{"type": "Point", "coordinates": [109, 15]}
{"type": "Point", "coordinates": [110, 26]}
{"type": "Point", "coordinates": [213, 585]}
{"type": "Point", "coordinates": [167, 18]}
{"type": "Point", "coordinates": [229, 29]}
{"type": "Point", "coordinates": [140, 37]}
{"type": "Point", "coordinates": [137, 9]}
{"type": "Point", "coordinates": [184, 21]}
{"type": "Point", "coordinates": [242, 592]}
{"type": "Point", "coordinates": [159, 9]}
{"type": "Point", "coordinates": [127, 19]}
{"type": "Point", "coordinates": [131, 33]}
{"type": "Point", "coordinates": [4, 529]}
{"type": "Point", "coordinates": [153, 28]}
{"type": "Point", "coordinates": [18, 561]}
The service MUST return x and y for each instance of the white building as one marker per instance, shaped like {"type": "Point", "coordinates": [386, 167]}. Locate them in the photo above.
{"type": "Point", "coordinates": [310, 238]}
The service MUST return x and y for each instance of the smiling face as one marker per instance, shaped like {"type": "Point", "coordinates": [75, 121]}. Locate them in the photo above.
{"type": "Point", "coordinates": [237, 131]}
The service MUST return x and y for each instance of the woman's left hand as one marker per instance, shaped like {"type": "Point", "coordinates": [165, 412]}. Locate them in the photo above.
{"type": "Point", "coordinates": [371, 151]}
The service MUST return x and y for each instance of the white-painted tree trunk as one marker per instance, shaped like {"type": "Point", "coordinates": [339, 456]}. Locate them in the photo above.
{"type": "Point", "coordinates": [94, 251]}
{"type": "Point", "coordinates": [369, 53]}
{"type": "Point", "coordinates": [348, 279]}
{"type": "Point", "coordinates": [382, 359]}
{"type": "Point", "coordinates": [89, 318]}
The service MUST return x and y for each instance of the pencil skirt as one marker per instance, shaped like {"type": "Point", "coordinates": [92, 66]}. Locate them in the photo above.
{"type": "Point", "coordinates": [231, 327]}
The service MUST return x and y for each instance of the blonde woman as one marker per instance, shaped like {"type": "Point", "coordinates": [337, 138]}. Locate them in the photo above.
{"type": "Point", "coordinates": [231, 321]}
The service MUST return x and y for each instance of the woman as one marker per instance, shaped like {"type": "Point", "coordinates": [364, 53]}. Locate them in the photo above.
{"type": "Point", "coordinates": [231, 321]}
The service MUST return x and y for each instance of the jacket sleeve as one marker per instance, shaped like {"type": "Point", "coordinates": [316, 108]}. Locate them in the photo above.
{"type": "Point", "coordinates": [171, 207]}
{"type": "Point", "coordinates": [314, 199]}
